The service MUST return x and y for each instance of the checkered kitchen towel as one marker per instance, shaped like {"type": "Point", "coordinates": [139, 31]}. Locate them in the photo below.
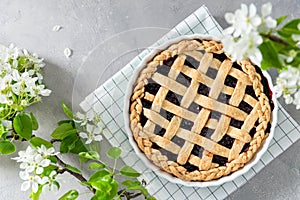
{"type": "Point", "coordinates": [108, 101]}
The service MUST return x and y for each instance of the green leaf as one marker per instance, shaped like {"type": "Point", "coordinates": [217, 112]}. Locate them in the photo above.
{"type": "Point", "coordinates": [270, 56]}
{"type": "Point", "coordinates": [65, 122]}
{"type": "Point", "coordinates": [37, 142]}
{"type": "Point", "coordinates": [98, 175]}
{"type": "Point", "coordinates": [106, 185]}
{"type": "Point", "coordinates": [22, 124]}
{"type": "Point", "coordinates": [96, 166]}
{"type": "Point", "coordinates": [36, 196]}
{"type": "Point", "coordinates": [79, 147]}
{"type": "Point", "coordinates": [114, 152]}
{"type": "Point", "coordinates": [7, 147]}
{"type": "Point", "coordinates": [91, 155]}
{"type": "Point", "coordinates": [35, 124]}
{"type": "Point", "coordinates": [279, 20]}
{"type": "Point", "coordinates": [68, 143]}
{"type": "Point", "coordinates": [129, 172]}
{"type": "Point", "coordinates": [70, 195]}
{"type": "Point", "coordinates": [67, 111]}
{"type": "Point", "coordinates": [130, 183]}
{"type": "Point", "coordinates": [63, 131]}
{"type": "Point", "coordinates": [73, 169]}
{"type": "Point", "coordinates": [100, 196]}
{"type": "Point", "coordinates": [289, 29]}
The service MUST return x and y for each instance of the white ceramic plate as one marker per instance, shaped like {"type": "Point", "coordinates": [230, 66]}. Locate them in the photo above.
{"type": "Point", "coordinates": [156, 169]}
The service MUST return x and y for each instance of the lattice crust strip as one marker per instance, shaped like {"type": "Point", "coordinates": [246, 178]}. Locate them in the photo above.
{"type": "Point", "coordinates": [203, 52]}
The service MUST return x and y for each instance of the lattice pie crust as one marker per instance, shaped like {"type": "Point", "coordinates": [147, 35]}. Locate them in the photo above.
{"type": "Point", "coordinates": [196, 114]}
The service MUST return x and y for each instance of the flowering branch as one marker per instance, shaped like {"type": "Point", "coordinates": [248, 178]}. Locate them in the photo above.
{"type": "Point", "coordinates": [21, 86]}
{"type": "Point", "coordinates": [268, 43]}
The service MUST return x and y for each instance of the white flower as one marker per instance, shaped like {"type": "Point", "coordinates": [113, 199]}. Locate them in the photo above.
{"type": "Point", "coordinates": [25, 156]}
{"type": "Point", "coordinates": [242, 39]}
{"type": "Point", "coordinates": [288, 85]}
{"type": "Point", "coordinates": [243, 48]}
{"type": "Point", "coordinates": [33, 161]}
{"type": "Point", "coordinates": [297, 99]}
{"type": "Point", "coordinates": [266, 10]}
{"type": "Point", "coordinates": [288, 99]}
{"type": "Point", "coordinates": [83, 119]}
{"type": "Point", "coordinates": [31, 180]}
{"type": "Point", "coordinates": [243, 21]}
{"type": "Point", "coordinates": [46, 152]}
{"type": "Point", "coordinates": [51, 184]}
{"type": "Point", "coordinates": [92, 133]}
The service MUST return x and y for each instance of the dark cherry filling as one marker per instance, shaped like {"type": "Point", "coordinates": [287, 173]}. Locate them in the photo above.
{"type": "Point", "coordinates": [236, 123]}
{"type": "Point", "coordinates": [159, 130]}
{"type": "Point", "coordinates": [170, 61]}
{"type": "Point", "coordinates": [203, 89]}
{"type": "Point", "coordinates": [143, 119]}
{"type": "Point", "coordinates": [268, 129]}
{"type": "Point", "coordinates": [191, 62]}
{"type": "Point", "coordinates": [171, 156]}
{"type": "Point", "coordinates": [252, 132]}
{"type": "Point", "coordinates": [224, 98]}
{"type": "Point", "coordinates": [220, 160]}
{"type": "Point", "coordinates": [186, 124]}
{"type": "Point", "coordinates": [221, 57]}
{"type": "Point", "coordinates": [163, 69]}
{"type": "Point", "coordinates": [183, 79]}
{"type": "Point", "coordinates": [230, 81]}
{"type": "Point", "coordinates": [197, 151]}
{"type": "Point", "coordinates": [173, 98]}
{"type": "Point", "coordinates": [146, 103]}
{"type": "Point", "coordinates": [245, 147]}
{"type": "Point", "coordinates": [207, 132]}
{"type": "Point", "coordinates": [177, 140]}
{"type": "Point", "coordinates": [237, 66]}
{"type": "Point", "coordinates": [212, 73]}
{"type": "Point", "coordinates": [189, 167]}
{"type": "Point", "coordinates": [195, 108]}
{"type": "Point", "coordinates": [226, 141]}
{"type": "Point", "coordinates": [215, 115]}
{"type": "Point", "coordinates": [166, 114]}
{"type": "Point", "coordinates": [250, 91]}
{"type": "Point", "coordinates": [152, 87]}
{"type": "Point", "coordinates": [245, 107]}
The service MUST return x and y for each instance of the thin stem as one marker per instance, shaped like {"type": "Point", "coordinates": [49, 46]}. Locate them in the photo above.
{"type": "Point", "coordinates": [115, 165]}
{"type": "Point", "coordinates": [54, 140]}
{"type": "Point", "coordinates": [276, 39]}
{"type": "Point", "coordinates": [128, 195]}
{"type": "Point", "coordinates": [64, 165]}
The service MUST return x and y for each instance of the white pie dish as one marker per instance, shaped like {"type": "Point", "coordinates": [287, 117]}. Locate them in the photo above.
{"type": "Point", "coordinates": [156, 169]}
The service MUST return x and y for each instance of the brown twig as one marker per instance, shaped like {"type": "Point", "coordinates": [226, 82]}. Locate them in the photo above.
{"type": "Point", "coordinates": [128, 195]}
{"type": "Point", "coordinates": [64, 165]}
{"type": "Point", "coordinates": [278, 40]}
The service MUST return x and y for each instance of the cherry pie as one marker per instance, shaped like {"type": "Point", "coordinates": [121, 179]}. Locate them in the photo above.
{"type": "Point", "coordinates": [196, 114]}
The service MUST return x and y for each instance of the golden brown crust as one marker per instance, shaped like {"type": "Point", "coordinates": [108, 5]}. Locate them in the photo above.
{"type": "Point", "coordinates": [144, 136]}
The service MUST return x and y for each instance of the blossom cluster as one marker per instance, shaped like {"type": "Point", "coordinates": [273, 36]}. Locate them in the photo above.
{"type": "Point", "coordinates": [21, 80]}
{"type": "Point", "coordinates": [90, 125]}
{"type": "Point", "coordinates": [288, 86]}
{"type": "Point", "coordinates": [242, 38]}
{"type": "Point", "coordinates": [33, 162]}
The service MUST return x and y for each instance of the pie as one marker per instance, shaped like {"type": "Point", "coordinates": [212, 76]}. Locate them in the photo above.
{"type": "Point", "coordinates": [196, 114]}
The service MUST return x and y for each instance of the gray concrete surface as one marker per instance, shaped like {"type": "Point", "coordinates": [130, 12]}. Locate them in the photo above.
{"type": "Point", "coordinates": [104, 36]}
